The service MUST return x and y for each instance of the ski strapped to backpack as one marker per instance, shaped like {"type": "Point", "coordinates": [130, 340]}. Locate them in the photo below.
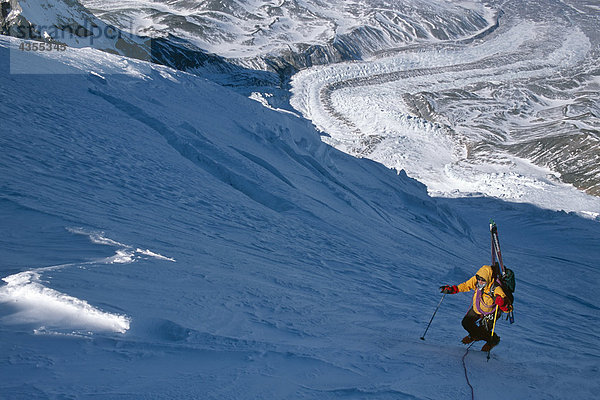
{"type": "Point", "coordinates": [505, 277]}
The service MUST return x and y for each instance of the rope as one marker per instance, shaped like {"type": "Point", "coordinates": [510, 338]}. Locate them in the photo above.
{"type": "Point", "coordinates": [466, 375]}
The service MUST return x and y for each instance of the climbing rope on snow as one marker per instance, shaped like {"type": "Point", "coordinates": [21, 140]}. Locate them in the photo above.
{"type": "Point", "coordinates": [467, 375]}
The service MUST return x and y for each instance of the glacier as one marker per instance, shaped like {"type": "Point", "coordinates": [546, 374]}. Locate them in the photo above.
{"type": "Point", "coordinates": [476, 117]}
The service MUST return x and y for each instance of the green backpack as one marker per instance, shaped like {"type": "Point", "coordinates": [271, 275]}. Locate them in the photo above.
{"type": "Point", "coordinates": [508, 280]}
{"type": "Point", "coordinates": [507, 283]}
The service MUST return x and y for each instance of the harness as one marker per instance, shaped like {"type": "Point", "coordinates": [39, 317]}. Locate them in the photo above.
{"type": "Point", "coordinates": [478, 299]}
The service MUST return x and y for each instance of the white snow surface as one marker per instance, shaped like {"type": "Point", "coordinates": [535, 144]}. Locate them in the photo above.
{"type": "Point", "coordinates": [162, 237]}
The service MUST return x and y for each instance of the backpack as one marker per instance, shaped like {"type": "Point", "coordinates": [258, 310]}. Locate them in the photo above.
{"type": "Point", "coordinates": [506, 281]}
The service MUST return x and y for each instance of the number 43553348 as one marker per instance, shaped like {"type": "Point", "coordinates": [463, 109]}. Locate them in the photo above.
{"type": "Point", "coordinates": [37, 46]}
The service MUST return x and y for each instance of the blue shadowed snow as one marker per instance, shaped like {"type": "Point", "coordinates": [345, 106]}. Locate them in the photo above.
{"type": "Point", "coordinates": [163, 237]}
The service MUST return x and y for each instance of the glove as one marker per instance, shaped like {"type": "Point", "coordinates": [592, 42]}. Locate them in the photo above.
{"type": "Point", "coordinates": [501, 303]}
{"type": "Point", "coordinates": [446, 289]}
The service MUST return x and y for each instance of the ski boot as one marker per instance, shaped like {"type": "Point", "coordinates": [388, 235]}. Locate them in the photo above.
{"type": "Point", "coordinates": [490, 344]}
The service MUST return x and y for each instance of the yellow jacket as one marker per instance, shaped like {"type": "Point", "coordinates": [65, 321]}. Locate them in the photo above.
{"type": "Point", "coordinates": [483, 300]}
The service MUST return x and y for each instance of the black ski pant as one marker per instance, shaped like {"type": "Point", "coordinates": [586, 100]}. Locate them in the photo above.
{"type": "Point", "coordinates": [476, 331]}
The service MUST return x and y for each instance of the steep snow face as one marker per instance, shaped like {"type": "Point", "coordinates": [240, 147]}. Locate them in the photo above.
{"type": "Point", "coordinates": [255, 28]}
{"type": "Point", "coordinates": [162, 237]}
{"type": "Point", "coordinates": [189, 150]}
{"type": "Point", "coordinates": [513, 114]}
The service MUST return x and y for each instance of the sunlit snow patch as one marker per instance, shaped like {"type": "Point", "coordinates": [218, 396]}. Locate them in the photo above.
{"type": "Point", "coordinates": [152, 254]}
{"type": "Point", "coordinates": [125, 254]}
{"type": "Point", "coordinates": [54, 312]}
{"type": "Point", "coordinates": [37, 304]}
{"type": "Point", "coordinates": [128, 255]}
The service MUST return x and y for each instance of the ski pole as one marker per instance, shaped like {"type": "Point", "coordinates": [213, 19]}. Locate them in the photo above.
{"type": "Point", "coordinates": [430, 321]}
{"type": "Point", "coordinates": [495, 315]}
{"type": "Point", "coordinates": [493, 328]}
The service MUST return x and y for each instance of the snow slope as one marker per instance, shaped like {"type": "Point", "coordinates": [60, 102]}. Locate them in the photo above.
{"type": "Point", "coordinates": [163, 237]}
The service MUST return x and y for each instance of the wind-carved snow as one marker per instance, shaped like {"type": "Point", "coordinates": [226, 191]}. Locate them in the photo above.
{"type": "Point", "coordinates": [52, 311]}
{"type": "Point", "coordinates": [125, 253]}
{"type": "Point", "coordinates": [448, 115]}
